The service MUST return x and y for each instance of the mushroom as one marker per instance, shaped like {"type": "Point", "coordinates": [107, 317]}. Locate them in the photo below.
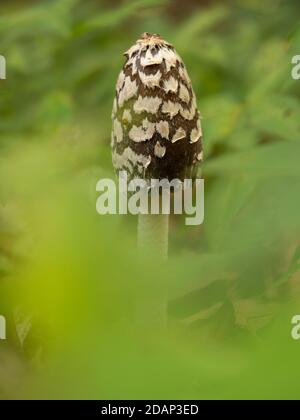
{"type": "Point", "coordinates": [156, 127]}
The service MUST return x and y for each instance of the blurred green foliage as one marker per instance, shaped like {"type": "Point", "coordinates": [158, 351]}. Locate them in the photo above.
{"type": "Point", "coordinates": [234, 282]}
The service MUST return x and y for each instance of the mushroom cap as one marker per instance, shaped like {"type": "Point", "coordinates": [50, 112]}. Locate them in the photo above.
{"type": "Point", "coordinates": [156, 124]}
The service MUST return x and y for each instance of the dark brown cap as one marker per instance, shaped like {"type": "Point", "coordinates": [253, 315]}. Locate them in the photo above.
{"type": "Point", "coordinates": [156, 125]}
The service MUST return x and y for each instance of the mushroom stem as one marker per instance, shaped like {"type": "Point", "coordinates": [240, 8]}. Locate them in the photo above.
{"type": "Point", "coordinates": [153, 234]}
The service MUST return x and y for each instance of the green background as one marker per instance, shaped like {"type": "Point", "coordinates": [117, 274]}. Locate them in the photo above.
{"type": "Point", "coordinates": [76, 277]}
